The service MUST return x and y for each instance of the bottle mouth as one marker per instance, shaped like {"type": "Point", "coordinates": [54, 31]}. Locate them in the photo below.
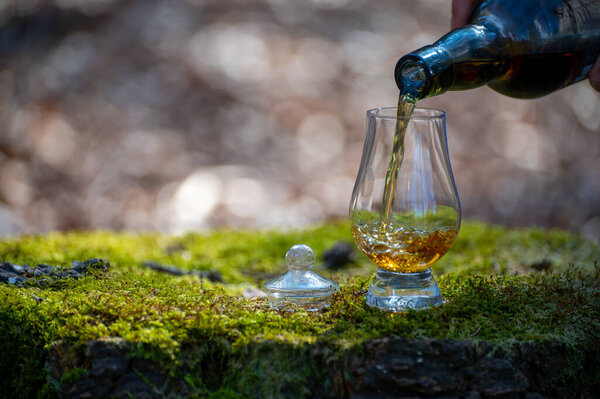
{"type": "Point", "coordinates": [413, 78]}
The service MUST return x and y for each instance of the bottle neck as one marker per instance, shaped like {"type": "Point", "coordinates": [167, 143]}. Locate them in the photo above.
{"type": "Point", "coordinates": [465, 58]}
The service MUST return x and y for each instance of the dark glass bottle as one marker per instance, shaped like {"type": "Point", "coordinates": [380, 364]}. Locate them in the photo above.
{"type": "Point", "coordinates": [520, 48]}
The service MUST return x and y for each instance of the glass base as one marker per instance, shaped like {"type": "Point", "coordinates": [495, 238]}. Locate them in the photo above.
{"type": "Point", "coordinates": [294, 303]}
{"type": "Point", "coordinates": [398, 292]}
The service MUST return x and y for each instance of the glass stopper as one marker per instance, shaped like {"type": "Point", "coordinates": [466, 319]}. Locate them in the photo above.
{"type": "Point", "coordinates": [300, 287]}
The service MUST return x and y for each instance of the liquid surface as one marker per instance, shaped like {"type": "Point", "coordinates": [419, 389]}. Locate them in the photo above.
{"type": "Point", "coordinates": [403, 250]}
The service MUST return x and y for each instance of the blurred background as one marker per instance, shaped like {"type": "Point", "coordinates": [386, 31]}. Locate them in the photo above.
{"type": "Point", "coordinates": [179, 115]}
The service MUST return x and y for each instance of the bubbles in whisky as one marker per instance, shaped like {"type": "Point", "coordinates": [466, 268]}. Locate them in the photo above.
{"type": "Point", "coordinates": [400, 249]}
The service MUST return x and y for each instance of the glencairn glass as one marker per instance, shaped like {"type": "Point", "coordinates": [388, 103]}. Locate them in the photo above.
{"type": "Point", "coordinates": [422, 218]}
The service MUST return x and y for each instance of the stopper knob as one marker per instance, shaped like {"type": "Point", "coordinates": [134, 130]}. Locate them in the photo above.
{"type": "Point", "coordinates": [300, 257]}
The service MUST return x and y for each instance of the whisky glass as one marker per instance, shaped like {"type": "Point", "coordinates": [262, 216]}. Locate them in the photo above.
{"type": "Point", "coordinates": [422, 220]}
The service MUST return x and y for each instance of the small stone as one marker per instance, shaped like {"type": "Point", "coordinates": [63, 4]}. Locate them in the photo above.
{"type": "Point", "coordinates": [27, 271]}
{"type": "Point", "coordinates": [78, 267]}
{"type": "Point", "coordinates": [13, 267]}
{"type": "Point", "coordinates": [90, 264]}
{"type": "Point", "coordinates": [212, 275]}
{"type": "Point", "coordinates": [36, 298]}
{"type": "Point", "coordinates": [43, 281]}
{"type": "Point", "coordinates": [339, 255]}
{"type": "Point", "coordinates": [42, 270]}
{"type": "Point", "coordinates": [542, 266]}
{"type": "Point", "coordinates": [71, 273]}
{"type": "Point", "coordinates": [165, 268]}
{"type": "Point", "coordinates": [6, 275]}
{"type": "Point", "coordinates": [47, 274]}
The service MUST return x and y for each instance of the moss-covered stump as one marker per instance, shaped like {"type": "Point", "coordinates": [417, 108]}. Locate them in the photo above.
{"type": "Point", "coordinates": [521, 319]}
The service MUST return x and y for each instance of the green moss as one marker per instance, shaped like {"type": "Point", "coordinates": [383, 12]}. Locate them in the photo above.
{"type": "Point", "coordinates": [224, 393]}
{"type": "Point", "coordinates": [186, 323]}
{"type": "Point", "coordinates": [72, 375]}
